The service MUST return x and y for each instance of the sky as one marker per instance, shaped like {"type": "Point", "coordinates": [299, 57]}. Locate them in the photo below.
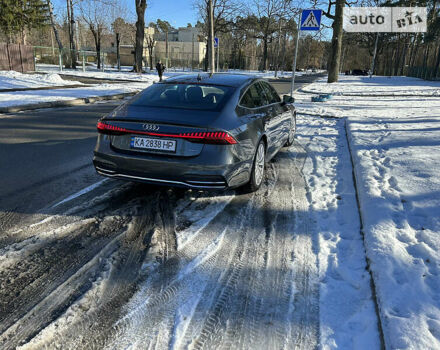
{"type": "Point", "coordinates": [177, 12]}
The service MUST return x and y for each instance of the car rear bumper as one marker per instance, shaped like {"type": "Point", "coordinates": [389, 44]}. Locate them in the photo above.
{"type": "Point", "coordinates": [219, 172]}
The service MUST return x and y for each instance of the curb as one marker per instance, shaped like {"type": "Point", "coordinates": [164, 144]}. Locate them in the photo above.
{"type": "Point", "coordinates": [67, 103]}
{"type": "Point", "coordinates": [320, 115]}
{"type": "Point", "coordinates": [368, 261]}
{"type": "Point", "coordinates": [61, 74]}
{"type": "Point", "coordinates": [58, 87]}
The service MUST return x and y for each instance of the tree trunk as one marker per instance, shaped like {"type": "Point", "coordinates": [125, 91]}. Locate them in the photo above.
{"type": "Point", "coordinates": [277, 55]}
{"type": "Point", "coordinates": [404, 54]}
{"type": "Point", "coordinates": [97, 38]}
{"type": "Point", "coordinates": [53, 24]}
{"type": "Point", "coordinates": [437, 64]}
{"type": "Point", "coordinates": [141, 5]}
{"type": "Point", "coordinates": [336, 44]}
{"type": "Point", "coordinates": [413, 50]}
{"type": "Point", "coordinates": [118, 51]}
{"type": "Point", "coordinates": [264, 61]}
{"type": "Point", "coordinates": [283, 55]}
{"type": "Point", "coordinates": [72, 35]}
{"type": "Point", "coordinates": [70, 23]}
{"type": "Point", "coordinates": [398, 57]}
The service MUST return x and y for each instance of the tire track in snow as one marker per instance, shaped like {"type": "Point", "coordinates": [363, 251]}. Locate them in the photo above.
{"type": "Point", "coordinates": [245, 277]}
{"type": "Point", "coordinates": [61, 265]}
{"type": "Point", "coordinates": [249, 293]}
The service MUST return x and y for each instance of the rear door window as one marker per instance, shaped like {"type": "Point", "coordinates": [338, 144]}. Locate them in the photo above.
{"type": "Point", "coordinates": [271, 94]}
{"type": "Point", "coordinates": [254, 97]}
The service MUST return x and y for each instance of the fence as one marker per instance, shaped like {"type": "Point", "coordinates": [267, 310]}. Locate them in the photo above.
{"type": "Point", "coordinates": [51, 58]}
{"type": "Point", "coordinates": [16, 57]}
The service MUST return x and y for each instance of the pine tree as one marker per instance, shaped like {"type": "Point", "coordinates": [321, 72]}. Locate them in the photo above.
{"type": "Point", "coordinates": [17, 16]}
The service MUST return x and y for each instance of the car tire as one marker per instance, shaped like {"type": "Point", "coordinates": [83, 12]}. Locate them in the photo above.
{"type": "Point", "coordinates": [292, 132]}
{"type": "Point", "coordinates": [257, 172]}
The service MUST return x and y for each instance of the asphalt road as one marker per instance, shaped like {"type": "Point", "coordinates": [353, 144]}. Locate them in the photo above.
{"type": "Point", "coordinates": [46, 154]}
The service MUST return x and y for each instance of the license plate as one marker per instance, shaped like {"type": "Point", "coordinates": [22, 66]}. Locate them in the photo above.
{"type": "Point", "coordinates": [153, 144]}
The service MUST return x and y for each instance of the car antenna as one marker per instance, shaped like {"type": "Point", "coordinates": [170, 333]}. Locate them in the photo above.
{"type": "Point", "coordinates": [199, 77]}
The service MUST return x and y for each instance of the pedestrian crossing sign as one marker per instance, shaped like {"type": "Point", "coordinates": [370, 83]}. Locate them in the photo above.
{"type": "Point", "coordinates": [310, 20]}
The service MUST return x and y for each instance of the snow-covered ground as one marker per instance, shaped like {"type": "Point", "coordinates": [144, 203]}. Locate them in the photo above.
{"type": "Point", "coordinates": [395, 143]}
{"type": "Point", "coordinates": [361, 85]}
{"type": "Point", "coordinates": [347, 315]}
{"type": "Point", "coordinates": [17, 80]}
{"type": "Point", "coordinates": [18, 98]}
{"type": "Point", "coordinates": [109, 73]}
{"type": "Point", "coordinates": [13, 80]}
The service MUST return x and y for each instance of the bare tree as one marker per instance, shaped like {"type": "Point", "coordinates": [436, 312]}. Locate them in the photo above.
{"type": "Point", "coordinates": [96, 14]}
{"type": "Point", "coordinates": [150, 46]}
{"type": "Point", "coordinates": [264, 16]}
{"type": "Point", "coordinates": [54, 26]}
{"type": "Point", "coordinates": [71, 24]}
{"type": "Point", "coordinates": [336, 44]}
{"type": "Point", "coordinates": [125, 33]}
{"type": "Point", "coordinates": [141, 6]}
{"type": "Point", "coordinates": [223, 12]}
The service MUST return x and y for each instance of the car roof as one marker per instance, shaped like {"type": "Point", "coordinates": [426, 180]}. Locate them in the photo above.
{"type": "Point", "coordinates": [225, 79]}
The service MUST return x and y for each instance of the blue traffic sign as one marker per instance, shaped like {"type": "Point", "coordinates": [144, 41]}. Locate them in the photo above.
{"type": "Point", "coordinates": [310, 20]}
{"type": "Point", "coordinates": [215, 42]}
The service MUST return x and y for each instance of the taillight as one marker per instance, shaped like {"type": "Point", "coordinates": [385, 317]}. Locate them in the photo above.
{"type": "Point", "coordinates": [222, 138]}
{"type": "Point", "coordinates": [108, 129]}
{"type": "Point", "coordinates": [219, 137]}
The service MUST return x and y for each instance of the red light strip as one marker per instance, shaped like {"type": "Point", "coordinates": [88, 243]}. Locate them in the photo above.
{"type": "Point", "coordinates": [208, 136]}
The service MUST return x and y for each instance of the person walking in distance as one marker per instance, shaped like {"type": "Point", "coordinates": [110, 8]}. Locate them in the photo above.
{"type": "Point", "coordinates": [160, 68]}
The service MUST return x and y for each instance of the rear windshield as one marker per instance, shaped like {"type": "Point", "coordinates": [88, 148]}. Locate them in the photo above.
{"type": "Point", "coordinates": [188, 96]}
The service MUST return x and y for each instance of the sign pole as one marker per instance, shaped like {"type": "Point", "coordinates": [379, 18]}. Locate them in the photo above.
{"type": "Point", "coordinates": [218, 55]}
{"type": "Point", "coordinates": [295, 56]}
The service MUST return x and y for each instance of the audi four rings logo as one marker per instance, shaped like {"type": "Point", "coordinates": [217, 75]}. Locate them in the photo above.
{"type": "Point", "coordinates": [151, 127]}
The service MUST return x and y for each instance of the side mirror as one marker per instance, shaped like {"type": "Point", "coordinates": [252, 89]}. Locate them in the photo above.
{"type": "Point", "coordinates": [288, 99]}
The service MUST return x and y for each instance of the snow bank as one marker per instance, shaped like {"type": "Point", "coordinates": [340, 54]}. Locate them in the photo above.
{"type": "Point", "coordinates": [395, 143]}
{"type": "Point", "coordinates": [16, 80]}
{"type": "Point", "coordinates": [18, 98]}
{"type": "Point", "coordinates": [347, 316]}
{"type": "Point", "coordinates": [361, 85]}
{"type": "Point", "coordinates": [397, 162]}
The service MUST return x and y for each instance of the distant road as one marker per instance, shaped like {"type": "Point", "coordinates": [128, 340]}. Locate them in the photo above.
{"type": "Point", "coordinates": [283, 85]}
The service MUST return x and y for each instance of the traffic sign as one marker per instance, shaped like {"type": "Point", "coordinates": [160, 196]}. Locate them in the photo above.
{"type": "Point", "coordinates": [215, 42]}
{"type": "Point", "coordinates": [310, 20]}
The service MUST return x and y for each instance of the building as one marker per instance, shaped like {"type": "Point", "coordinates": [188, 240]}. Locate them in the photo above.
{"type": "Point", "coordinates": [186, 47]}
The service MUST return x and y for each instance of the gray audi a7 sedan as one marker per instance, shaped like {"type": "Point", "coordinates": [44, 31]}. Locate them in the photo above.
{"type": "Point", "coordinates": [202, 131]}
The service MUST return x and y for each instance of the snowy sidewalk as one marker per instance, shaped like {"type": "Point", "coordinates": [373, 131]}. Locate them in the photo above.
{"type": "Point", "coordinates": [44, 91]}
{"type": "Point", "coordinates": [349, 85]}
{"type": "Point", "coordinates": [395, 144]}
